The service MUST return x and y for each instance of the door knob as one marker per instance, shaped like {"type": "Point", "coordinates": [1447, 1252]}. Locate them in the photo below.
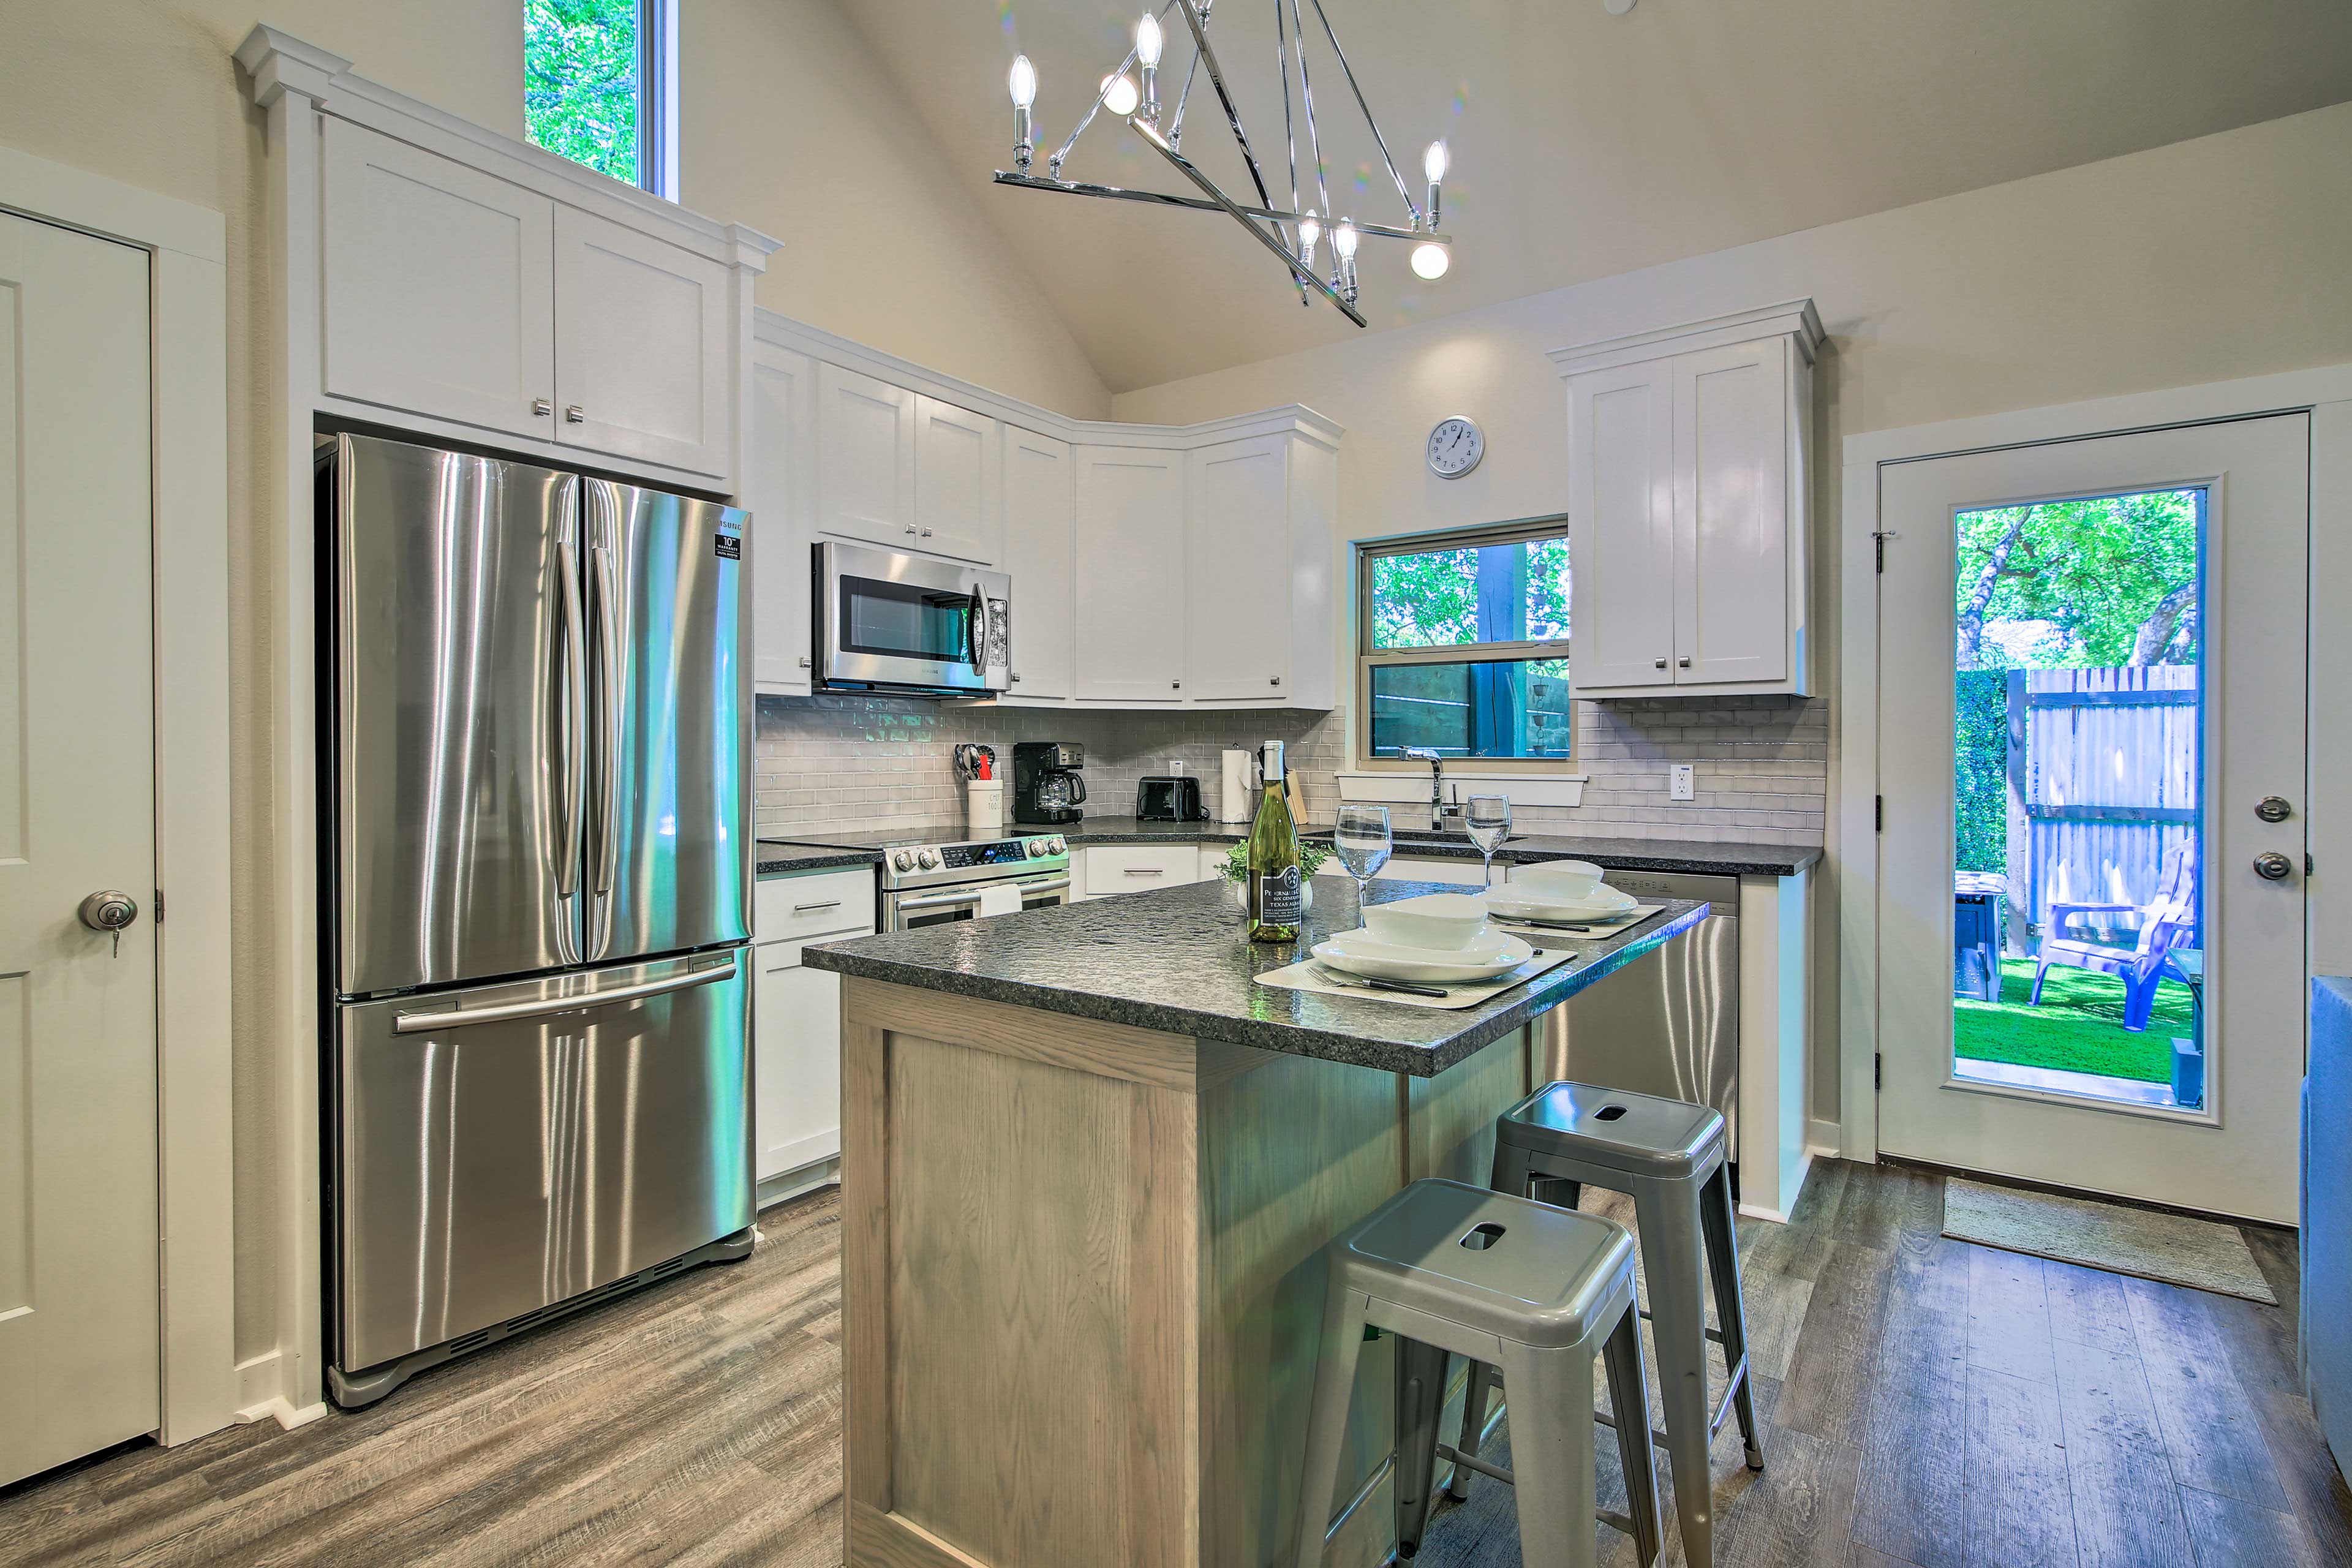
{"type": "Point", "coordinates": [109, 911]}
{"type": "Point", "coordinates": [2273, 808]}
{"type": "Point", "coordinates": [2272, 866]}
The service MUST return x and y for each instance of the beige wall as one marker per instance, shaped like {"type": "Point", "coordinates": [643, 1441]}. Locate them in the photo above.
{"type": "Point", "coordinates": [786, 118]}
{"type": "Point", "coordinates": [787, 123]}
{"type": "Point", "coordinates": [2203, 261]}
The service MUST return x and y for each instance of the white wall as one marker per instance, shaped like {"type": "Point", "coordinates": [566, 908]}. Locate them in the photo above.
{"type": "Point", "coordinates": [2210, 259]}
{"type": "Point", "coordinates": [785, 118]}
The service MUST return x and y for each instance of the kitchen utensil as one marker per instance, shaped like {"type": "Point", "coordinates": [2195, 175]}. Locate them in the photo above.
{"type": "Point", "coordinates": [1331, 976]}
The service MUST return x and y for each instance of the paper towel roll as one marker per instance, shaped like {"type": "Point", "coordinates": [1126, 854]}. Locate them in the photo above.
{"type": "Point", "coordinates": [1238, 794]}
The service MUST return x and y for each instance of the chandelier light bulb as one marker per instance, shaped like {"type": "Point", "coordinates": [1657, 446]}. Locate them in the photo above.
{"type": "Point", "coordinates": [1310, 230]}
{"type": "Point", "coordinates": [1148, 40]}
{"type": "Point", "coordinates": [1433, 162]}
{"type": "Point", "coordinates": [1429, 261]}
{"type": "Point", "coordinates": [1343, 239]}
{"type": "Point", "coordinates": [1024, 83]}
{"type": "Point", "coordinates": [1119, 95]}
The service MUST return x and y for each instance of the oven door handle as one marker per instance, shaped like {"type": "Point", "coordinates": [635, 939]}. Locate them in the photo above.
{"type": "Point", "coordinates": [1053, 884]}
{"type": "Point", "coordinates": [939, 901]}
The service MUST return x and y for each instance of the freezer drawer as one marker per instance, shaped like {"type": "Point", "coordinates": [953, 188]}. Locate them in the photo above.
{"type": "Point", "coordinates": [504, 1148]}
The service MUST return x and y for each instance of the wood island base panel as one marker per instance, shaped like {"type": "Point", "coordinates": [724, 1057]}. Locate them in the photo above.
{"type": "Point", "coordinates": [1082, 1279]}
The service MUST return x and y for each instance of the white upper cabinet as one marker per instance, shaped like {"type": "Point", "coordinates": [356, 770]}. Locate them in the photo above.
{"type": "Point", "coordinates": [1258, 572]}
{"type": "Point", "coordinates": [439, 291]}
{"type": "Point", "coordinates": [865, 459]}
{"type": "Point", "coordinates": [1732, 598]}
{"type": "Point", "coordinates": [642, 352]}
{"type": "Point", "coordinates": [1131, 574]}
{"type": "Point", "coordinates": [1688, 451]}
{"type": "Point", "coordinates": [1621, 527]}
{"type": "Point", "coordinates": [781, 479]}
{"type": "Point", "coordinates": [1037, 544]}
{"type": "Point", "coordinates": [959, 483]}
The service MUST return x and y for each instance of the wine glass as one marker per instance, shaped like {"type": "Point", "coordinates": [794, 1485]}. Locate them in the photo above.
{"type": "Point", "coordinates": [1489, 822]}
{"type": "Point", "coordinates": [1361, 838]}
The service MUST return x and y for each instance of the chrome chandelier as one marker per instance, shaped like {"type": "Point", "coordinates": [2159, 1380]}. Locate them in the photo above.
{"type": "Point", "coordinates": [1287, 232]}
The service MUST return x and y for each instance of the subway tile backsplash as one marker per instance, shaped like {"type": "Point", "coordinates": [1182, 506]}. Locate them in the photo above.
{"type": "Point", "coordinates": [845, 762]}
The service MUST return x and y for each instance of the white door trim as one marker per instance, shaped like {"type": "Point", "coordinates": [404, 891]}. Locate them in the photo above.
{"type": "Point", "coordinates": [187, 252]}
{"type": "Point", "coordinates": [2326, 393]}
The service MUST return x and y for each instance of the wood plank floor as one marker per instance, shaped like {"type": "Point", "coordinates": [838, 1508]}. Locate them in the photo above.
{"type": "Point", "coordinates": [1927, 1405]}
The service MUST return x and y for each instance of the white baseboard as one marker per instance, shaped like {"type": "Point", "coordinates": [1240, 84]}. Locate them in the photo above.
{"type": "Point", "coordinates": [260, 1395]}
{"type": "Point", "coordinates": [1796, 1192]}
{"type": "Point", "coordinates": [1828, 1138]}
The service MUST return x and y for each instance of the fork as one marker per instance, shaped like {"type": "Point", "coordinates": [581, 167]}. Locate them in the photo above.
{"type": "Point", "coordinates": [1331, 976]}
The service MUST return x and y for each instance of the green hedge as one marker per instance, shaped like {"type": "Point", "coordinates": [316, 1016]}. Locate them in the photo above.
{"type": "Point", "coordinates": [1980, 770]}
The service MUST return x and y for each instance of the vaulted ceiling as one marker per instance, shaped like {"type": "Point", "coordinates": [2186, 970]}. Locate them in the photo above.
{"type": "Point", "coordinates": [1583, 144]}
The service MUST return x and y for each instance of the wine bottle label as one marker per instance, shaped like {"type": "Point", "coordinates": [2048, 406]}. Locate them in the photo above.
{"type": "Point", "coordinates": [1278, 898]}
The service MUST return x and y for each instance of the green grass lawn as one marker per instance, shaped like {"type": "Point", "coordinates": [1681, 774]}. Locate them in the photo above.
{"type": "Point", "coordinates": [2079, 1028]}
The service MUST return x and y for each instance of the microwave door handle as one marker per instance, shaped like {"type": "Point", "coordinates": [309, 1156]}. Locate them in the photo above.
{"type": "Point", "coordinates": [976, 631]}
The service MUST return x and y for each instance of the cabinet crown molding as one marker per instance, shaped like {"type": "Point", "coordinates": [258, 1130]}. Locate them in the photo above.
{"type": "Point", "coordinates": [1285, 419]}
{"type": "Point", "coordinates": [277, 63]}
{"type": "Point", "coordinates": [1795, 318]}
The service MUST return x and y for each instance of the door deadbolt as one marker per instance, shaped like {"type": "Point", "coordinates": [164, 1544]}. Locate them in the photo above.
{"type": "Point", "coordinates": [2273, 808]}
{"type": "Point", "coordinates": [2273, 867]}
{"type": "Point", "coordinates": [108, 912]}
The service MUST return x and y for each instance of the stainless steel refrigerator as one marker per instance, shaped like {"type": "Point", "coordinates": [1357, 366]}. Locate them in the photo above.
{"type": "Point", "coordinates": [538, 712]}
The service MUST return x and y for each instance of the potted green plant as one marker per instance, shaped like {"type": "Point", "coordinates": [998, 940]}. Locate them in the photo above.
{"type": "Point", "coordinates": [1235, 869]}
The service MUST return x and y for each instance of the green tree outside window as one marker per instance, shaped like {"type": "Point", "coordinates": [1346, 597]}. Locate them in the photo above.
{"type": "Point", "coordinates": [582, 85]}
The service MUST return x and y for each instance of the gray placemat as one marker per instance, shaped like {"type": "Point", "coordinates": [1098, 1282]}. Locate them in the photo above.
{"type": "Point", "coordinates": [2174, 1249]}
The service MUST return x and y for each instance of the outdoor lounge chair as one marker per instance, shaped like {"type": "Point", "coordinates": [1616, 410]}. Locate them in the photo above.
{"type": "Point", "coordinates": [2167, 922]}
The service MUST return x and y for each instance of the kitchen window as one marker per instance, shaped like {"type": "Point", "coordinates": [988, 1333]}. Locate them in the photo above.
{"type": "Point", "coordinates": [1463, 647]}
{"type": "Point", "coordinates": [599, 87]}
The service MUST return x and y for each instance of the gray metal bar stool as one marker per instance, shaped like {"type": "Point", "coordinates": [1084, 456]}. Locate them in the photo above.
{"type": "Point", "coordinates": [1668, 1156]}
{"type": "Point", "coordinates": [1450, 1269]}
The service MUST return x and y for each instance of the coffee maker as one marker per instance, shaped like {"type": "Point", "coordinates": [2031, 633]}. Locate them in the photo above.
{"type": "Point", "coordinates": [1047, 787]}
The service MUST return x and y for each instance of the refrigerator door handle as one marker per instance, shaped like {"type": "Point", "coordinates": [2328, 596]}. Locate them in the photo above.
{"type": "Point", "coordinates": [606, 845]}
{"type": "Point", "coordinates": [573, 696]}
{"type": "Point", "coordinates": [420, 1023]}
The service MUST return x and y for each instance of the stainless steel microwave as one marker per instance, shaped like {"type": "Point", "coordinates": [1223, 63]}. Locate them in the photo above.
{"type": "Point", "coordinates": [913, 624]}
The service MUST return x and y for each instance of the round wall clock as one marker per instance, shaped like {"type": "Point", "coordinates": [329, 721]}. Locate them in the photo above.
{"type": "Point", "coordinates": [1455, 446]}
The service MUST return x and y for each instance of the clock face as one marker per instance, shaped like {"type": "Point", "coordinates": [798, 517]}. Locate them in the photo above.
{"type": "Point", "coordinates": [1455, 446]}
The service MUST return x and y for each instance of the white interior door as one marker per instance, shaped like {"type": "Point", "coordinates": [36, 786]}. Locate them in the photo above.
{"type": "Point", "coordinates": [2168, 726]}
{"type": "Point", "coordinates": [78, 1308]}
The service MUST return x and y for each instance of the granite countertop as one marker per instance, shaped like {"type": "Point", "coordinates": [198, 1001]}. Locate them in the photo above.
{"type": "Point", "coordinates": [783, 858]}
{"type": "Point", "coordinates": [1177, 960]}
{"type": "Point", "coordinates": [1688, 856]}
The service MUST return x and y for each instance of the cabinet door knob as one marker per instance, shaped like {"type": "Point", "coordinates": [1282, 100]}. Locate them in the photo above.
{"type": "Point", "coordinates": [1662, 664]}
{"type": "Point", "coordinates": [1016, 680]}
{"type": "Point", "coordinates": [1276, 680]}
{"type": "Point", "coordinates": [1175, 686]}
{"type": "Point", "coordinates": [805, 663]}
{"type": "Point", "coordinates": [574, 414]}
{"type": "Point", "coordinates": [543, 408]}
{"type": "Point", "coordinates": [927, 534]}
{"type": "Point", "coordinates": [910, 527]}
{"type": "Point", "coordinates": [1683, 663]}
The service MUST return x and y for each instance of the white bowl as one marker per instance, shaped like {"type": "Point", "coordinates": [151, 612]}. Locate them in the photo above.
{"type": "Point", "coordinates": [1441, 922]}
{"type": "Point", "coordinates": [1566, 881]}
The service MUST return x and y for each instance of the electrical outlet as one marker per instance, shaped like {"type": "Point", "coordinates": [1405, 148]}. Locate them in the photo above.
{"type": "Point", "coordinates": [1684, 784]}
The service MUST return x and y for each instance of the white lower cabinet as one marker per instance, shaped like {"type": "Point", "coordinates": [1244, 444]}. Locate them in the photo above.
{"type": "Point", "coordinates": [1430, 868]}
{"type": "Point", "coordinates": [1138, 868]}
{"type": "Point", "coordinates": [796, 1016]}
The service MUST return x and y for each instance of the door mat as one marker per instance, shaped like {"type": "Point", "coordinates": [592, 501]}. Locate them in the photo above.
{"type": "Point", "coordinates": [2172, 1248]}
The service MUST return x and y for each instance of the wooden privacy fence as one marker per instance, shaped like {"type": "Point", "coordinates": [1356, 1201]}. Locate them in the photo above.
{"type": "Point", "coordinates": [2103, 776]}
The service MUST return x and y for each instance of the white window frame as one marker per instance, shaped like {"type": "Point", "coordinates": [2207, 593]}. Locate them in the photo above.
{"type": "Point", "coordinates": [1368, 657]}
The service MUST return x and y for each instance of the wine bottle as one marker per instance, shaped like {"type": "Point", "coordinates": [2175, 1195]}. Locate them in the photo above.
{"type": "Point", "coordinates": [1276, 881]}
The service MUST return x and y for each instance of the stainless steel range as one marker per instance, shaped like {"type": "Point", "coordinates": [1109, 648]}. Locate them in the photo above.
{"type": "Point", "coordinates": [938, 884]}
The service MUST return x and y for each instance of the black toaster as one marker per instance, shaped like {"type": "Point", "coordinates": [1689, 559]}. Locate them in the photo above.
{"type": "Point", "coordinates": [1176, 799]}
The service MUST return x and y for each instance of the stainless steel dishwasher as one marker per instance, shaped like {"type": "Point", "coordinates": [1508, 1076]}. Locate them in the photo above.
{"type": "Point", "coordinates": [1667, 1023]}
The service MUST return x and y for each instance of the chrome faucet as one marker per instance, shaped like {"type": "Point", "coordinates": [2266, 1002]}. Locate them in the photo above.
{"type": "Point", "coordinates": [1438, 810]}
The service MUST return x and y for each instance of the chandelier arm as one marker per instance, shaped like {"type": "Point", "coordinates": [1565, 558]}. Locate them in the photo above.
{"type": "Point", "coordinates": [1232, 115]}
{"type": "Point", "coordinates": [1176, 132]}
{"type": "Point", "coordinates": [1289, 136]}
{"type": "Point", "coordinates": [1054, 163]}
{"type": "Point", "coordinates": [1306, 94]}
{"type": "Point", "coordinates": [1166, 199]}
{"type": "Point", "coordinates": [1331, 34]}
{"type": "Point", "coordinates": [1185, 166]}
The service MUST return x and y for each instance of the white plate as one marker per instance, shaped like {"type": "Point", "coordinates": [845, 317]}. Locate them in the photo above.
{"type": "Point", "coordinates": [1357, 954]}
{"type": "Point", "coordinates": [1507, 903]}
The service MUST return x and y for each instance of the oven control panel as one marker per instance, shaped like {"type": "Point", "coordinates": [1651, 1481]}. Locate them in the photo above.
{"type": "Point", "coordinates": [978, 861]}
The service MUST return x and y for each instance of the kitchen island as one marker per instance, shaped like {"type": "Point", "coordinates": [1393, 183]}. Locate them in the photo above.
{"type": "Point", "coordinates": [1088, 1167]}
